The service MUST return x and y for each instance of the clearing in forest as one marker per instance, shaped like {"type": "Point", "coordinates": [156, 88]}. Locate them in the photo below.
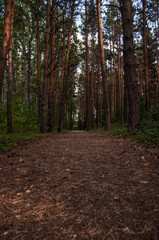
{"type": "Point", "coordinates": [79, 185]}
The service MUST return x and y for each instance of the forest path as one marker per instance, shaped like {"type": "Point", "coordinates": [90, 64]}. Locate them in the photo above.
{"type": "Point", "coordinates": [79, 185]}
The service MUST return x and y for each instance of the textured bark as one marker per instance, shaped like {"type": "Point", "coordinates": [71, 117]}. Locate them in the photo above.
{"type": "Point", "coordinates": [92, 78]}
{"type": "Point", "coordinates": [140, 76]}
{"type": "Point", "coordinates": [57, 77]}
{"type": "Point", "coordinates": [113, 89]}
{"type": "Point", "coordinates": [38, 62]}
{"type": "Point", "coordinates": [98, 90]}
{"type": "Point", "coordinates": [52, 76]}
{"type": "Point", "coordinates": [29, 74]}
{"type": "Point", "coordinates": [45, 80]}
{"type": "Point", "coordinates": [63, 51]}
{"type": "Point", "coordinates": [71, 106]}
{"type": "Point", "coordinates": [157, 55]}
{"type": "Point", "coordinates": [91, 115]}
{"type": "Point", "coordinates": [87, 71]}
{"type": "Point", "coordinates": [146, 60]}
{"type": "Point", "coordinates": [103, 68]}
{"type": "Point", "coordinates": [130, 77]}
{"type": "Point", "coordinates": [10, 75]}
{"type": "Point", "coordinates": [63, 90]}
{"type": "Point", "coordinates": [5, 41]}
{"type": "Point", "coordinates": [119, 74]}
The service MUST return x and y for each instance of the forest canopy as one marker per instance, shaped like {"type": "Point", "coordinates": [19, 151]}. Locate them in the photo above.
{"type": "Point", "coordinates": [79, 65]}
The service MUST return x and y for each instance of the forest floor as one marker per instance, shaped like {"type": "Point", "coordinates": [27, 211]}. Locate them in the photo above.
{"type": "Point", "coordinates": [79, 185]}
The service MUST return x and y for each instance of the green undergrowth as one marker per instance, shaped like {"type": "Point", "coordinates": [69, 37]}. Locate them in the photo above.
{"type": "Point", "coordinates": [147, 131]}
{"type": "Point", "coordinates": [10, 141]}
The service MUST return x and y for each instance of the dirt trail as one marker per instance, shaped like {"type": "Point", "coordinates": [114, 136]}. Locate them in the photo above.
{"type": "Point", "coordinates": [79, 185]}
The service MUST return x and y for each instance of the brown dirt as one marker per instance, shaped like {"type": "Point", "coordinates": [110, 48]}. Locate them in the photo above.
{"type": "Point", "coordinates": [79, 185]}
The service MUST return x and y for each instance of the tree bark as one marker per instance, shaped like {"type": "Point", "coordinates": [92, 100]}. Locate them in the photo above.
{"type": "Point", "coordinates": [113, 89]}
{"type": "Point", "coordinates": [130, 77]}
{"type": "Point", "coordinates": [52, 76]}
{"type": "Point", "coordinates": [92, 86]}
{"type": "Point", "coordinates": [119, 74]}
{"type": "Point", "coordinates": [63, 90]}
{"type": "Point", "coordinates": [45, 81]}
{"type": "Point", "coordinates": [103, 68]}
{"type": "Point", "coordinates": [146, 60]}
{"type": "Point", "coordinates": [5, 41]}
{"type": "Point", "coordinates": [10, 75]}
{"type": "Point", "coordinates": [29, 74]}
{"type": "Point", "coordinates": [71, 105]}
{"type": "Point", "coordinates": [87, 71]}
{"type": "Point", "coordinates": [38, 63]}
{"type": "Point", "coordinates": [98, 88]}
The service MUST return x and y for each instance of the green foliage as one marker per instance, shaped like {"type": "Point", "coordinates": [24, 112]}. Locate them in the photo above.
{"type": "Point", "coordinates": [24, 117]}
{"type": "Point", "coordinates": [147, 131]}
{"type": "Point", "coordinates": [10, 141]}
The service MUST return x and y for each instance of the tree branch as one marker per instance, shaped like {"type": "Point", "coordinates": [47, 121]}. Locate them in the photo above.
{"type": "Point", "coordinates": [112, 5]}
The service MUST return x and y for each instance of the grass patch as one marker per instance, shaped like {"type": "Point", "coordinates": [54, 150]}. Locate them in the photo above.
{"type": "Point", "coordinates": [147, 131]}
{"type": "Point", "coordinates": [10, 141]}
{"type": "Point", "coordinates": [146, 136]}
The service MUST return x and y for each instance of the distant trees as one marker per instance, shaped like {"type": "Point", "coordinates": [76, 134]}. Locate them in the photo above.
{"type": "Point", "coordinates": [62, 77]}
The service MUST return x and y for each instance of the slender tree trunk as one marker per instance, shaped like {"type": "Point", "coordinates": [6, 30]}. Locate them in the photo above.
{"type": "Point", "coordinates": [119, 75]}
{"type": "Point", "coordinates": [5, 41]}
{"type": "Point", "coordinates": [103, 68]}
{"type": "Point", "coordinates": [29, 74]}
{"type": "Point", "coordinates": [57, 77]}
{"type": "Point", "coordinates": [87, 71]}
{"type": "Point", "coordinates": [140, 76]}
{"type": "Point", "coordinates": [63, 52]}
{"type": "Point", "coordinates": [63, 90]}
{"type": "Point", "coordinates": [10, 75]}
{"type": "Point", "coordinates": [92, 85]}
{"type": "Point", "coordinates": [113, 90]}
{"type": "Point", "coordinates": [71, 106]}
{"type": "Point", "coordinates": [38, 62]}
{"type": "Point", "coordinates": [92, 78]}
{"type": "Point", "coordinates": [146, 61]}
{"type": "Point", "coordinates": [45, 81]}
{"type": "Point", "coordinates": [114, 74]}
{"type": "Point", "coordinates": [157, 55]}
{"type": "Point", "coordinates": [98, 89]}
{"type": "Point", "coordinates": [52, 76]}
{"type": "Point", "coordinates": [130, 77]}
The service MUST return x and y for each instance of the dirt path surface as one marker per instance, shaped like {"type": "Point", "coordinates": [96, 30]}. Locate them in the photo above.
{"type": "Point", "coordinates": [79, 185]}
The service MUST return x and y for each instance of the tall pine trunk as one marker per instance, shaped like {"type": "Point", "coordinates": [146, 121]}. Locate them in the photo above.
{"type": "Point", "coordinates": [113, 89]}
{"type": "Point", "coordinates": [10, 75]}
{"type": "Point", "coordinates": [87, 122]}
{"type": "Point", "coordinates": [103, 68]}
{"type": "Point", "coordinates": [130, 77]}
{"type": "Point", "coordinates": [38, 63]}
{"type": "Point", "coordinates": [71, 105]}
{"type": "Point", "coordinates": [5, 41]}
{"type": "Point", "coordinates": [52, 76]}
{"type": "Point", "coordinates": [146, 60]}
{"type": "Point", "coordinates": [98, 89]}
{"type": "Point", "coordinates": [91, 115]}
{"type": "Point", "coordinates": [45, 80]}
{"type": "Point", "coordinates": [63, 90]}
{"type": "Point", "coordinates": [119, 74]}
